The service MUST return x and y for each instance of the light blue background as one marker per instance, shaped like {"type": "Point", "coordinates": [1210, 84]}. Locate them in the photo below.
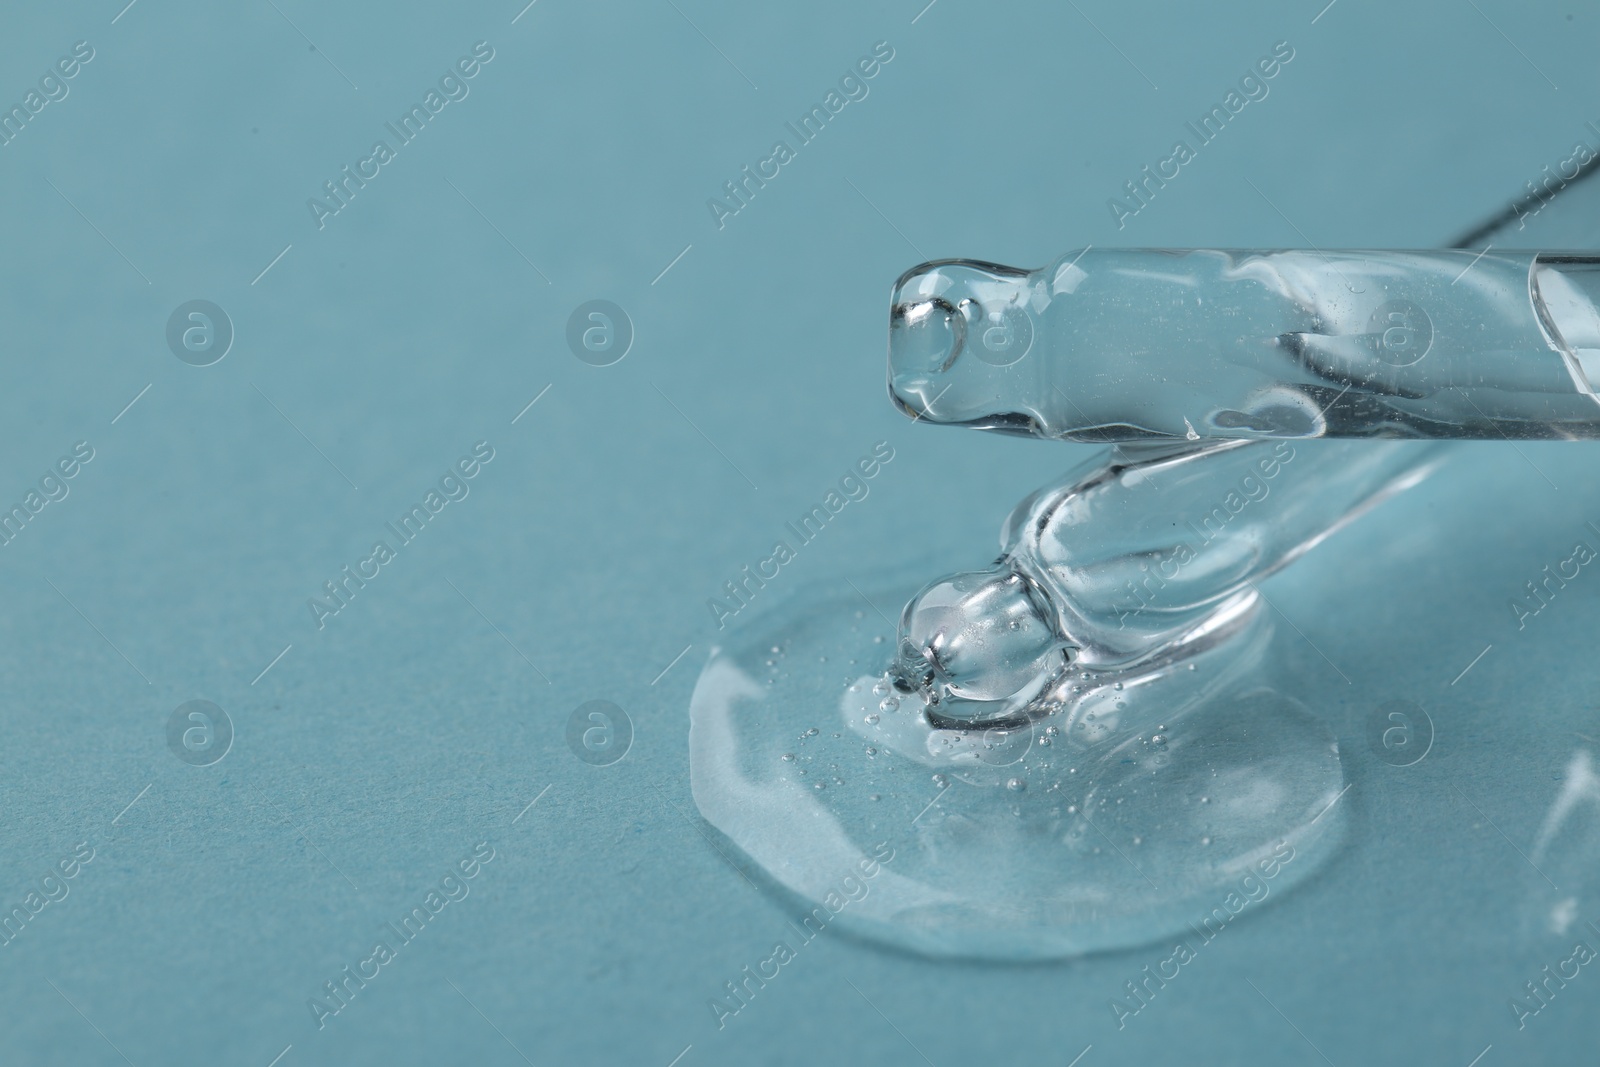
{"type": "Point", "coordinates": [379, 750]}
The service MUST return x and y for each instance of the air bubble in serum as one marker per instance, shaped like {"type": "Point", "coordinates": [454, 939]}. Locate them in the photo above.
{"type": "Point", "coordinates": [998, 844]}
{"type": "Point", "coordinates": [1097, 582]}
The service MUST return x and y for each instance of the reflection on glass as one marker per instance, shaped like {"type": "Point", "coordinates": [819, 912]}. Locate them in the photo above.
{"type": "Point", "coordinates": [1139, 344]}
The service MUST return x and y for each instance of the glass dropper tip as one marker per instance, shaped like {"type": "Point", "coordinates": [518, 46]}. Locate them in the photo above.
{"type": "Point", "coordinates": [978, 645]}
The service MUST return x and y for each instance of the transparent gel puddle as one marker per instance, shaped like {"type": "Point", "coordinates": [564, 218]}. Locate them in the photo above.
{"type": "Point", "coordinates": [1146, 803]}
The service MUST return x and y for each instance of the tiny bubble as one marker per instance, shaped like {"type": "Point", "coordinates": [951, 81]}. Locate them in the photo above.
{"type": "Point", "coordinates": [872, 720]}
{"type": "Point", "coordinates": [811, 732]}
{"type": "Point", "coordinates": [878, 639]}
{"type": "Point", "coordinates": [819, 785]}
{"type": "Point", "coordinates": [875, 796]}
{"type": "Point", "coordinates": [871, 751]}
{"type": "Point", "coordinates": [1117, 687]}
{"type": "Point", "coordinates": [788, 757]}
{"type": "Point", "coordinates": [1016, 785]}
{"type": "Point", "coordinates": [940, 780]}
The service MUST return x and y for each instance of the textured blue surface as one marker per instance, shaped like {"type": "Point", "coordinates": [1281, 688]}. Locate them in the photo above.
{"type": "Point", "coordinates": [424, 315]}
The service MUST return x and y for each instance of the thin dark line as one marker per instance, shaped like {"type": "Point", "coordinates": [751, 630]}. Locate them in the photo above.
{"type": "Point", "coordinates": [1292, 1026]}
{"type": "Point", "coordinates": [499, 231]}
{"type": "Point", "coordinates": [1513, 44]}
{"type": "Point", "coordinates": [885, 218]}
{"type": "Point", "coordinates": [98, 230]}
{"type": "Point", "coordinates": [1301, 632]}
{"type": "Point", "coordinates": [713, 44]}
{"type": "Point", "coordinates": [499, 631]}
{"type": "Point", "coordinates": [486, 1019]}
{"type": "Point", "coordinates": [99, 631]}
{"type": "Point", "coordinates": [1516, 209]}
{"type": "Point", "coordinates": [1502, 833]}
{"type": "Point", "coordinates": [1085, 817]}
{"type": "Point", "coordinates": [890, 1021]}
{"type": "Point", "coordinates": [314, 46]}
{"type": "Point", "coordinates": [1113, 44]}
{"type": "Point", "coordinates": [92, 1026]}
{"type": "Point", "coordinates": [702, 433]}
